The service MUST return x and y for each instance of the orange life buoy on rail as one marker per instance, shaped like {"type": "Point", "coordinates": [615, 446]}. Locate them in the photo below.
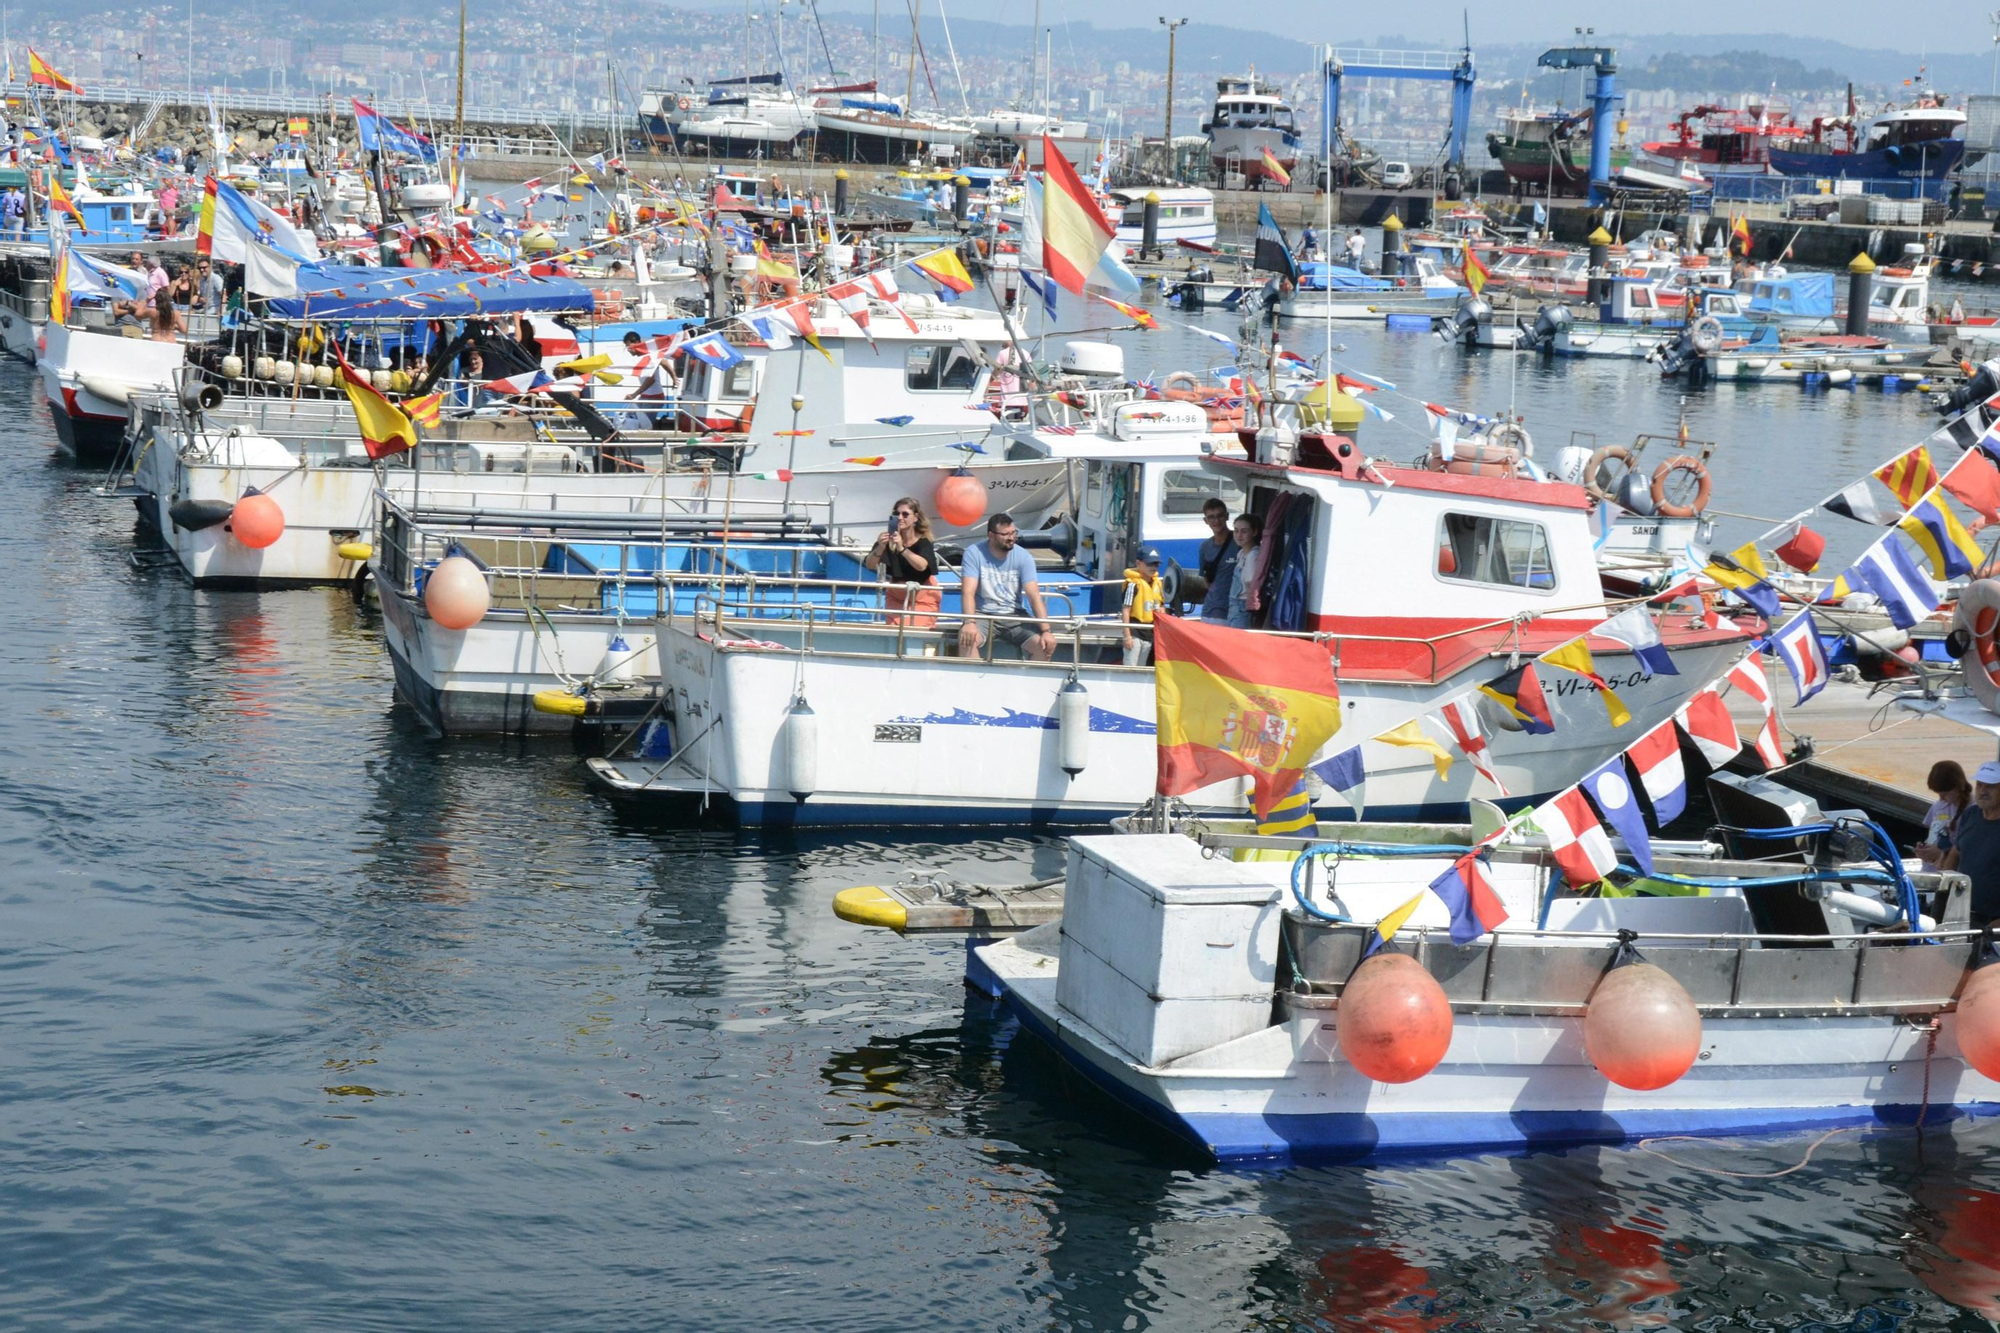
{"type": "Point", "coordinates": [1681, 463]}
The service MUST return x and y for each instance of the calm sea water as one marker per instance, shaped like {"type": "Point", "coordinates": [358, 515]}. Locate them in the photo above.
{"type": "Point", "coordinates": [309, 1020]}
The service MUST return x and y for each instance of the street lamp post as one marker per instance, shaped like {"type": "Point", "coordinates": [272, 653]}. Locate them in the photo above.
{"type": "Point", "coordinates": [1172, 26]}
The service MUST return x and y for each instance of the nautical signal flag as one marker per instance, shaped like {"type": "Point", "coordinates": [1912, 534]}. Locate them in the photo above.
{"type": "Point", "coordinates": [1075, 232]}
{"type": "Point", "coordinates": [1461, 718]}
{"type": "Point", "coordinates": [1386, 928]}
{"type": "Point", "coordinates": [1742, 571]}
{"type": "Point", "coordinates": [1886, 570]}
{"type": "Point", "coordinates": [1276, 169]}
{"type": "Point", "coordinates": [1346, 774]}
{"type": "Point", "coordinates": [1705, 719]}
{"type": "Point", "coordinates": [40, 72]}
{"type": "Point", "coordinates": [1975, 482]}
{"type": "Point", "coordinates": [1656, 761]}
{"type": "Point", "coordinates": [1520, 693]}
{"type": "Point", "coordinates": [1911, 476]}
{"type": "Point", "coordinates": [1576, 840]}
{"type": "Point", "coordinates": [1411, 735]}
{"type": "Point", "coordinates": [713, 350]}
{"type": "Point", "coordinates": [1468, 893]}
{"type": "Point", "coordinates": [1612, 795]}
{"type": "Point", "coordinates": [1798, 646]}
{"type": "Point", "coordinates": [1748, 677]}
{"type": "Point", "coordinates": [868, 460]}
{"type": "Point", "coordinates": [1798, 546]}
{"type": "Point", "coordinates": [946, 268]}
{"type": "Point", "coordinates": [1232, 704]}
{"type": "Point", "coordinates": [1857, 502]}
{"type": "Point", "coordinates": [1575, 656]}
{"type": "Point", "coordinates": [424, 411]}
{"type": "Point", "coordinates": [1475, 272]}
{"type": "Point", "coordinates": [385, 428]}
{"type": "Point", "coordinates": [530, 381]}
{"type": "Point", "coordinates": [1636, 630]}
{"type": "Point", "coordinates": [1942, 538]}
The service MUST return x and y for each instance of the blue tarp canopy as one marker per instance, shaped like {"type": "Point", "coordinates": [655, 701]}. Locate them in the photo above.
{"type": "Point", "coordinates": [1800, 294]}
{"type": "Point", "coordinates": [866, 104]}
{"type": "Point", "coordinates": [342, 291]}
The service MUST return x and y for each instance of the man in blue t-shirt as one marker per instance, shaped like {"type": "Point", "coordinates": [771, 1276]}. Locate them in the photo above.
{"type": "Point", "coordinates": [997, 578]}
{"type": "Point", "coordinates": [1975, 850]}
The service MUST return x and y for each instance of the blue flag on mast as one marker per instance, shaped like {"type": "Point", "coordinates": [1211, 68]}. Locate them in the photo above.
{"type": "Point", "coordinates": [1274, 252]}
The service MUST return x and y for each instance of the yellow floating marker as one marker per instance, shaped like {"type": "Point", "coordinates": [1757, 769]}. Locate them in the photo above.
{"type": "Point", "coordinates": [866, 905]}
{"type": "Point", "coordinates": [354, 550]}
{"type": "Point", "coordinates": [560, 703]}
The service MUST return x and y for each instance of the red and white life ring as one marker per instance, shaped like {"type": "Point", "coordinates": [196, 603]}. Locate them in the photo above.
{"type": "Point", "coordinates": [684, 103]}
{"type": "Point", "coordinates": [1978, 614]}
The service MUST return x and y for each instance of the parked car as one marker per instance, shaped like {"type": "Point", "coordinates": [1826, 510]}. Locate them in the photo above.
{"type": "Point", "coordinates": [1397, 176]}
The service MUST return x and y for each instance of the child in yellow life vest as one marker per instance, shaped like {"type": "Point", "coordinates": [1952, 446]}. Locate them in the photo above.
{"type": "Point", "coordinates": [1143, 599]}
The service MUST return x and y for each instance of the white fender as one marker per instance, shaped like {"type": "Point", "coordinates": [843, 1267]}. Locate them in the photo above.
{"type": "Point", "coordinates": [1073, 727]}
{"type": "Point", "coordinates": [801, 731]}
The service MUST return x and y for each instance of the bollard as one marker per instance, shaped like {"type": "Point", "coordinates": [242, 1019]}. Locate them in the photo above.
{"type": "Point", "coordinates": [961, 199]}
{"type": "Point", "coordinates": [1392, 246]}
{"type": "Point", "coordinates": [1149, 227]}
{"type": "Point", "coordinates": [1860, 287]}
{"type": "Point", "coordinates": [840, 193]}
{"type": "Point", "coordinates": [1600, 277]}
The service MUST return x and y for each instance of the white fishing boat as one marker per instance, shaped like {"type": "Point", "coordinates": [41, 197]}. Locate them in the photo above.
{"type": "Point", "coordinates": [926, 736]}
{"type": "Point", "coordinates": [1187, 213]}
{"type": "Point", "coordinates": [1229, 1001]}
{"type": "Point", "coordinates": [1250, 117]}
{"type": "Point", "coordinates": [90, 374]}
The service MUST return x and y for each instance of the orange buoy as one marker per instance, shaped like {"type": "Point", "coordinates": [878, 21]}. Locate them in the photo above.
{"type": "Point", "coordinates": [1642, 1030]}
{"type": "Point", "coordinates": [1978, 1022]}
{"type": "Point", "coordinates": [456, 594]}
{"type": "Point", "coordinates": [1394, 1020]}
{"type": "Point", "coordinates": [961, 499]}
{"type": "Point", "coordinates": [256, 521]}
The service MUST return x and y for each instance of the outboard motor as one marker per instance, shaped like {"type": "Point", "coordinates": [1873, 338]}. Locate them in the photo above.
{"type": "Point", "coordinates": [1635, 494]}
{"type": "Point", "coordinates": [1685, 352]}
{"type": "Point", "coordinates": [1983, 384]}
{"type": "Point", "coordinates": [1540, 336]}
{"type": "Point", "coordinates": [1464, 322]}
{"type": "Point", "coordinates": [1188, 294]}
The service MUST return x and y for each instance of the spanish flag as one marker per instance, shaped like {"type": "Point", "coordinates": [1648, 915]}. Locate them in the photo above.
{"type": "Point", "coordinates": [1475, 272]}
{"type": "Point", "coordinates": [1235, 704]}
{"type": "Point", "coordinates": [424, 411]}
{"type": "Point", "coordinates": [60, 202]}
{"type": "Point", "coordinates": [775, 267]}
{"type": "Point", "coordinates": [385, 429]}
{"type": "Point", "coordinates": [1739, 231]}
{"type": "Point", "coordinates": [1075, 231]}
{"type": "Point", "coordinates": [39, 72]}
{"type": "Point", "coordinates": [59, 290]}
{"type": "Point", "coordinates": [1276, 169]}
{"type": "Point", "coordinates": [1575, 656]}
{"type": "Point", "coordinates": [945, 268]}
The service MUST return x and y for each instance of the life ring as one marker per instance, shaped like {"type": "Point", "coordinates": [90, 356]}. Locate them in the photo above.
{"type": "Point", "coordinates": [684, 103]}
{"type": "Point", "coordinates": [610, 302]}
{"type": "Point", "coordinates": [1181, 379]}
{"type": "Point", "coordinates": [1598, 460]}
{"type": "Point", "coordinates": [1681, 463]}
{"type": "Point", "coordinates": [1978, 617]}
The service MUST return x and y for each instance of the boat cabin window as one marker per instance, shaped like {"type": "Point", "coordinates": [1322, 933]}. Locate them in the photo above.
{"type": "Point", "coordinates": [1642, 298]}
{"type": "Point", "coordinates": [739, 381]}
{"type": "Point", "coordinates": [1473, 548]}
{"type": "Point", "coordinates": [939, 368]}
{"type": "Point", "coordinates": [1093, 488]}
{"type": "Point", "coordinates": [1183, 491]}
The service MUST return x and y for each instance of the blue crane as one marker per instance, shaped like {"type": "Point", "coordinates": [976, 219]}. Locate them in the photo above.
{"type": "Point", "coordinates": [1603, 99]}
{"type": "Point", "coordinates": [1435, 66]}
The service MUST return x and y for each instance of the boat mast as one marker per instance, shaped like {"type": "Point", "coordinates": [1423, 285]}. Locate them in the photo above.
{"type": "Point", "coordinates": [1034, 54]}
{"type": "Point", "coordinates": [910, 87]}
{"type": "Point", "coordinates": [878, 48]}
{"type": "Point", "coordinates": [458, 109]}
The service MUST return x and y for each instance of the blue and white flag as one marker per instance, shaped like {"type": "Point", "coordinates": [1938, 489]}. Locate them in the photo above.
{"type": "Point", "coordinates": [381, 134]}
{"type": "Point", "coordinates": [1636, 630]}
{"type": "Point", "coordinates": [1541, 214]}
{"type": "Point", "coordinates": [1044, 288]}
{"type": "Point", "coordinates": [1346, 775]}
{"type": "Point", "coordinates": [1273, 253]}
{"type": "Point", "coordinates": [1213, 336]}
{"type": "Point", "coordinates": [712, 349]}
{"type": "Point", "coordinates": [1886, 570]}
{"type": "Point", "coordinates": [1612, 795]}
{"type": "Point", "coordinates": [1798, 646]}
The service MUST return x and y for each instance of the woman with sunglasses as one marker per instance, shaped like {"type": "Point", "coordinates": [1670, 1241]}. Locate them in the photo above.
{"type": "Point", "coordinates": [905, 555]}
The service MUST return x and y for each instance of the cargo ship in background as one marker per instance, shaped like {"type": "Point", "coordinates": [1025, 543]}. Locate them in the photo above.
{"type": "Point", "coordinates": [1549, 151]}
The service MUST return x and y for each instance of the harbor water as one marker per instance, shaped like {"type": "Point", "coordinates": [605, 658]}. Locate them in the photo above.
{"type": "Point", "coordinates": [310, 1020]}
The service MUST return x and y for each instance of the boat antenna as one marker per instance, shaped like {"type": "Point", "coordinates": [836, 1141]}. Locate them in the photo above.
{"type": "Point", "coordinates": [458, 113]}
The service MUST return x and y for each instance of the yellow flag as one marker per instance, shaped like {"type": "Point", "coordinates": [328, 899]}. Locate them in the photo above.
{"type": "Point", "coordinates": [1411, 734]}
{"type": "Point", "coordinates": [1387, 927]}
{"type": "Point", "coordinates": [1750, 569]}
{"type": "Point", "coordinates": [1575, 656]}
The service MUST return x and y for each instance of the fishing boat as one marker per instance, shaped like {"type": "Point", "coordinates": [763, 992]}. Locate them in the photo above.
{"type": "Point", "coordinates": [1334, 291]}
{"type": "Point", "coordinates": [928, 736]}
{"type": "Point", "coordinates": [1250, 117]}
{"type": "Point", "coordinates": [1187, 214]}
{"type": "Point", "coordinates": [1236, 1004]}
{"type": "Point", "coordinates": [1919, 144]}
{"type": "Point", "coordinates": [1722, 142]}
{"type": "Point", "coordinates": [1548, 150]}
{"type": "Point", "coordinates": [861, 126]}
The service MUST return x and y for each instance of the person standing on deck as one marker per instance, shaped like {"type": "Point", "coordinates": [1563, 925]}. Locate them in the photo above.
{"type": "Point", "coordinates": [1357, 249]}
{"type": "Point", "coordinates": [1217, 560]}
{"type": "Point", "coordinates": [1975, 851]}
{"type": "Point", "coordinates": [1242, 588]}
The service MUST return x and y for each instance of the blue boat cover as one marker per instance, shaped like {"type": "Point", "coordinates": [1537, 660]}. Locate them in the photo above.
{"type": "Point", "coordinates": [1808, 295]}
{"type": "Point", "coordinates": [864, 104]}
{"type": "Point", "coordinates": [342, 291]}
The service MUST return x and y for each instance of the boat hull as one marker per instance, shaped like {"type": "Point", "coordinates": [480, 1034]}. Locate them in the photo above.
{"type": "Point", "coordinates": [1930, 161]}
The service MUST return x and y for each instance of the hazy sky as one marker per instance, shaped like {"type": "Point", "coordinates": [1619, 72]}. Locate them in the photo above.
{"type": "Point", "coordinates": [1962, 25]}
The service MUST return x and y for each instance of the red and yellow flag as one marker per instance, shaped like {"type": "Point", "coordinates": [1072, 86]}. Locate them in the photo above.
{"type": "Point", "coordinates": [1911, 477]}
{"type": "Point", "coordinates": [1132, 312]}
{"type": "Point", "coordinates": [1475, 272]}
{"type": "Point", "coordinates": [946, 267]}
{"type": "Point", "coordinates": [1075, 231]}
{"type": "Point", "coordinates": [1739, 231]}
{"type": "Point", "coordinates": [1276, 169]}
{"type": "Point", "coordinates": [60, 202]}
{"type": "Point", "coordinates": [39, 72]}
{"type": "Point", "coordinates": [1575, 656]}
{"type": "Point", "coordinates": [385, 429]}
{"type": "Point", "coordinates": [1233, 704]}
{"type": "Point", "coordinates": [424, 411]}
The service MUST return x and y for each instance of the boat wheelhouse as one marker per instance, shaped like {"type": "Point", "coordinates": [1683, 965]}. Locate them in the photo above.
{"type": "Point", "coordinates": [1250, 117]}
